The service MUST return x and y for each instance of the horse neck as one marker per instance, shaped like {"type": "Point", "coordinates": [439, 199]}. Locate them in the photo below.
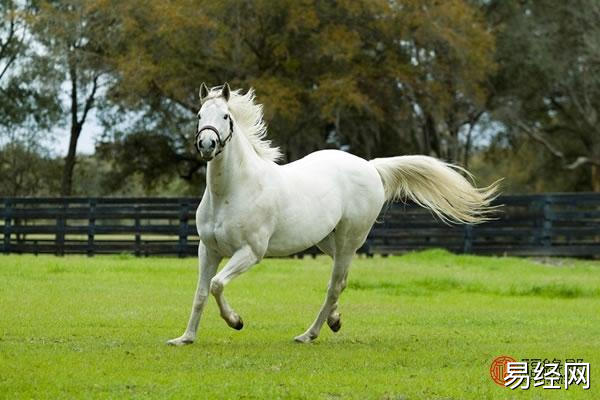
{"type": "Point", "coordinates": [236, 167]}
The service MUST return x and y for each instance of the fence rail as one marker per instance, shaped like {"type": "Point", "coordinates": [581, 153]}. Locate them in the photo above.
{"type": "Point", "coordinates": [532, 225]}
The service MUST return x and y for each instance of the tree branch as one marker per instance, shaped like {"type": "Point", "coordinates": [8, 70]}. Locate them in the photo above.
{"type": "Point", "coordinates": [8, 64]}
{"type": "Point", "coordinates": [582, 161]}
{"type": "Point", "coordinates": [579, 161]}
{"type": "Point", "coordinates": [11, 33]}
{"type": "Point", "coordinates": [89, 102]}
{"type": "Point", "coordinates": [542, 140]}
{"type": "Point", "coordinates": [4, 46]}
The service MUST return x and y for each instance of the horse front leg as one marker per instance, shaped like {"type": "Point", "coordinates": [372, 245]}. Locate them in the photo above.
{"type": "Point", "coordinates": [239, 263]}
{"type": "Point", "coordinates": [208, 263]}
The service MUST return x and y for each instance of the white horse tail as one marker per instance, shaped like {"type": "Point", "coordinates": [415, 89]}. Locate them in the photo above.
{"type": "Point", "coordinates": [436, 185]}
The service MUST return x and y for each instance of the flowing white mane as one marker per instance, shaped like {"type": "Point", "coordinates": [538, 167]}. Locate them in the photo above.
{"type": "Point", "coordinates": [249, 117]}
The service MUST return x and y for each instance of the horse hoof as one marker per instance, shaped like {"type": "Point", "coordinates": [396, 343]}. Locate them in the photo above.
{"type": "Point", "coordinates": [180, 341]}
{"type": "Point", "coordinates": [335, 323]}
{"type": "Point", "coordinates": [305, 338]}
{"type": "Point", "coordinates": [237, 324]}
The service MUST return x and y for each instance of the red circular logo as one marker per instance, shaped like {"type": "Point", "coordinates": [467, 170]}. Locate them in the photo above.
{"type": "Point", "coordinates": [498, 369]}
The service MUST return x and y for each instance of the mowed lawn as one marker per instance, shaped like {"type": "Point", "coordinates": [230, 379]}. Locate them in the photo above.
{"type": "Point", "coordinates": [421, 326]}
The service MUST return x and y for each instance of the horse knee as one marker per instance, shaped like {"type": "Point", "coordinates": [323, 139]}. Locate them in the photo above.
{"type": "Point", "coordinates": [216, 286]}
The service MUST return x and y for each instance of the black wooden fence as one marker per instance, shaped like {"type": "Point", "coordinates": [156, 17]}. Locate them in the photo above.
{"type": "Point", "coordinates": [531, 225]}
{"type": "Point", "coordinates": [142, 226]}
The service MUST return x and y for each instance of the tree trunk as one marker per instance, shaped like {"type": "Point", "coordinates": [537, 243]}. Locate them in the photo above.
{"type": "Point", "coordinates": [467, 149]}
{"type": "Point", "coordinates": [76, 125]}
{"type": "Point", "coordinates": [67, 179]}
{"type": "Point", "coordinates": [595, 178]}
{"type": "Point", "coordinates": [431, 136]}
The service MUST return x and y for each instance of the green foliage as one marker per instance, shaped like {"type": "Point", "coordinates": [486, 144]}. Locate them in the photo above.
{"type": "Point", "coordinates": [76, 38]}
{"type": "Point", "coordinates": [378, 77]}
{"type": "Point", "coordinates": [526, 168]}
{"type": "Point", "coordinates": [12, 45]}
{"type": "Point", "coordinates": [26, 103]}
{"type": "Point", "coordinates": [421, 326]}
{"type": "Point", "coordinates": [548, 86]}
{"type": "Point", "coordinates": [26, 170]}
{"type": "Point", "coordinates": [377, 73]}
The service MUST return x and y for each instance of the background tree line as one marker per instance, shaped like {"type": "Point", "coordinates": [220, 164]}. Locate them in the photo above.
{"type": "Point", "coordinates": [508, 88]}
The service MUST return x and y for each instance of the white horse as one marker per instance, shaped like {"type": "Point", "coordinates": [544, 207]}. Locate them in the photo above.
{"type": "Point", "coordinates": [253, 207]}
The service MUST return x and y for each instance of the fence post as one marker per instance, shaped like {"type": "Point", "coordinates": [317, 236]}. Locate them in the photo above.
{"type": "Point", "coordinates": [59, 238]}
{"type": "Point", "coordinates": [7, 224]}
{"type": "Point", "coordinates": [91, 227]}
{"type": "Point", "coordinates": [183, 228]}
{"type": "Point", "coordinates": [546, 231]}
{"type": "Point", "coordinates": [468, 239]}
{"type": "Point", "coordinates": [138, 236]}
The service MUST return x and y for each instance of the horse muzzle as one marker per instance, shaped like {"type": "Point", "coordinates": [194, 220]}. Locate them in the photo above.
{"type": "Point", "coordinates": [206, 145]}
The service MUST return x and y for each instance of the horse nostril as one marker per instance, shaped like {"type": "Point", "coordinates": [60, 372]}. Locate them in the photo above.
{"type": "Point", "coordinates": [213, 143]}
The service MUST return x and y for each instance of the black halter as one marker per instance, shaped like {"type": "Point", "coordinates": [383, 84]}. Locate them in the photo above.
{"type": "Point", "coordinates": [223, 142]}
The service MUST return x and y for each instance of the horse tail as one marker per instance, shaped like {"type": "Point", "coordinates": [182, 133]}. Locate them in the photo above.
{"type": "Point", "coordinates": [438, 186]}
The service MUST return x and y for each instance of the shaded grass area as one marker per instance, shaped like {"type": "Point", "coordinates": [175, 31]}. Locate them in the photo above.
{"type": "Point", "coordinates": [424, 325]}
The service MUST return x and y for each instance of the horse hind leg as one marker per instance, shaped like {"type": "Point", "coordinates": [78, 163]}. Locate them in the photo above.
{"type": "Point", "coordinates": [334, 320]}
{"type": "Point", "coordinates": [327, 246]}
{"type": "Point", "coordinates": [328, 311]}
{"type": "Point", "coordinates": [348, 236]}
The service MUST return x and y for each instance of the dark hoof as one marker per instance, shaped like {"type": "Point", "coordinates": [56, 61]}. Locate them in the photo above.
{"type": "Point", "coordinates": [238, 325]}
{"type": "Point", "coordinates": [335, 325]}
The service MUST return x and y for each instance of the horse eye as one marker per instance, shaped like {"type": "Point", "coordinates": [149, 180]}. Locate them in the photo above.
{"type": "Point", "coordinates": [225, 116]}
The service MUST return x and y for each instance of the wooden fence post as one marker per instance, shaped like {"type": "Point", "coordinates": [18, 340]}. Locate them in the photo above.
{"type": "Point", "coordinates": [91, 227]}
{"type": "Point", "coordinates": [59, 237]}
{"type": "Point", "coordinates": [183, 228]}
{"type": "Point", "coordinates": [546, 231]}
{"type": "Point", "coordinates": [138, 234]}
{"type": "Point", "coordinates": [7, 224]}
{"type": "Point", "coordinates": [468, 239]}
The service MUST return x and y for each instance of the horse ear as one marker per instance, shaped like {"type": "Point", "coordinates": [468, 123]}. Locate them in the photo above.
{"type": "Point", "coordinates": [203, 91]}
{"type": "Point", "coordinates": [226, 92]}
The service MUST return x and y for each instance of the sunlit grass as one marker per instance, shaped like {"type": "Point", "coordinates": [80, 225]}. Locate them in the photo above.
{"type": "Point", "coordinates": [424, 325]}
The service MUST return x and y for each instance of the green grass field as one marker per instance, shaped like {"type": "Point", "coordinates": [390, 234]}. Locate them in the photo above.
{"type": "Point", "coordinates": [421, 326]}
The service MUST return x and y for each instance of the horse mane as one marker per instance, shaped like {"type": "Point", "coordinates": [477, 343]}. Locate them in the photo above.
{"type": "Point", "coordinates": [249, 117]}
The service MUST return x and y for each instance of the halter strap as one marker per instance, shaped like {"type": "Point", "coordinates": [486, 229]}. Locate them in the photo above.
{"type": "Point", "coordinates": [223, 142]}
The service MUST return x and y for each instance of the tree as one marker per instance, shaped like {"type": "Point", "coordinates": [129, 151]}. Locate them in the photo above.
{"type": "Point", "coordinates": [380, 77]}
{"type": "Point", "coordinates": [548, 84]}
{"type": "Point", "coordinates": [451, 50]}
{"type": "Point", "coordinates": [27, 109]}
{"type": "Point", "coordinates": [77, 37]}
{"type": "Point", "coordinates": [25, 100]}
{"type": "Point", "coordinates": [12, 44]}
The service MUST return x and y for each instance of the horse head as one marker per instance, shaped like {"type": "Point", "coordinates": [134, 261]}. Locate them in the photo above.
{"type": "Point", "coordinates": [215, 126]}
